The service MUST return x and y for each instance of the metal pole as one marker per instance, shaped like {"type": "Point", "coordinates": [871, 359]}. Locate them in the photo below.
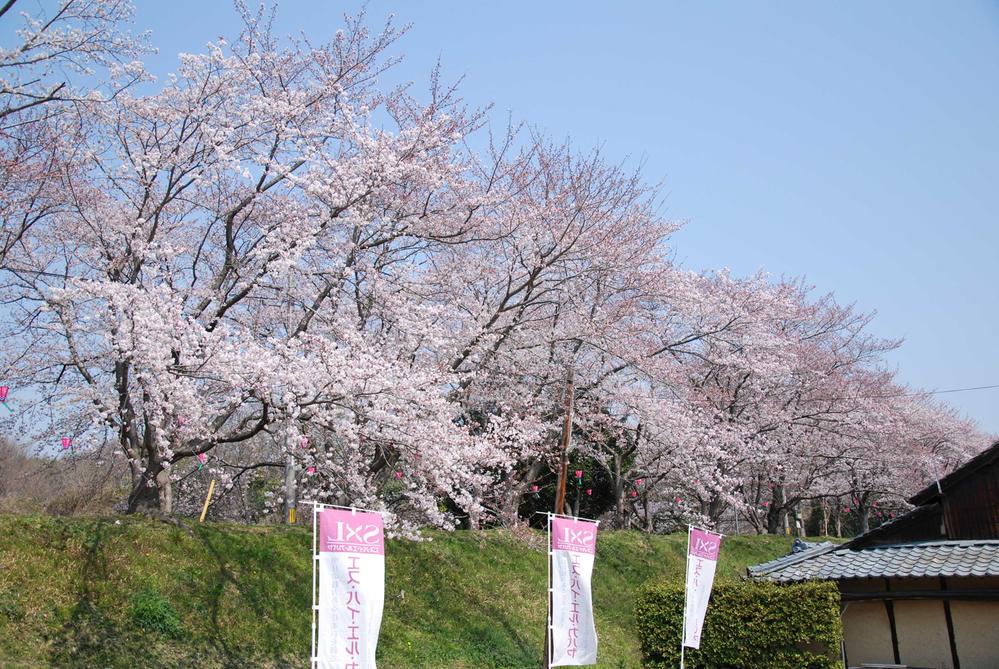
{"type": "Point", "coordinates": [289, 468]}
{"type": "Point", "coordinates": [683, 630]}
{"type": "Point", "coordinates": [579, 488]}
{"type": "Point", "coordinates": [315, 559]}
{"type": "Point", "coordinates": [549, 636]}
{"type": "Point", "coordinates": [289, 488]}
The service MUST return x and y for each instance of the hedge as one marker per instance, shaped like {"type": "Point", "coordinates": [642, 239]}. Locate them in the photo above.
{"type": "Point", "coordinates": [749, 625]}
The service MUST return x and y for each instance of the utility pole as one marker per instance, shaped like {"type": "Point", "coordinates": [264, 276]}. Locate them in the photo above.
{"type": "Point", "coordinates": [563, 470]}
{"type": "Point", "coordinates": [290, 501]}
{"type": "Point", "coordinates": [289, 489]}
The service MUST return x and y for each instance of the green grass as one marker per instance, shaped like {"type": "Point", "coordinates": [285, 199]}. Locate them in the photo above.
{"type": "Point", "coordinates": [130, 592]}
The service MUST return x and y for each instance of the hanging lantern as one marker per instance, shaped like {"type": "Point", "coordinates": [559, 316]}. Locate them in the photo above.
{"type": "Point", "coordinates": [677, 500]}
{"type": "Point", "coordinates": [67, 443]}
{"type": "Point", "coordinates": [634, 493]}
{"type": "Point", "coordinates": [534, 488]}
{"type": "Point", "coordinates": [398, 475]}
{"type": "Point", "coordinates": [311, 470]}
{"type": "Point", "coordinates": [579, 474]}
{"type": "Point", "coordinates": [589, 491]}
{"type": "Point", "coordinates": [202, 459]}
{"type": "Point", "coordinates": [3, 393]}
{"type": "Point", "coordinates": [639, 481]}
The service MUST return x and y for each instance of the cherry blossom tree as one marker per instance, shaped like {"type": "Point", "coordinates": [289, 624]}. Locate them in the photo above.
{"type": "Point", "coordinates": [271, 258]}
{"type": "Point", "coordinates": [76, 54]}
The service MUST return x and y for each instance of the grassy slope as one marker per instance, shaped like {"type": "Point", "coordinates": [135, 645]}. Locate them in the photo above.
{"type": "Point", "coordinates": [69, 588]}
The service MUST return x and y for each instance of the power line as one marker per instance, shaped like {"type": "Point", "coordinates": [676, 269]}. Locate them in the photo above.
{"type": "Point", "coordinates": [919, 394]}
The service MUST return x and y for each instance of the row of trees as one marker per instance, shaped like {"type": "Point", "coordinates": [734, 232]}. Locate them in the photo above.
{"type": "Point", "coordinates": [271, 258]}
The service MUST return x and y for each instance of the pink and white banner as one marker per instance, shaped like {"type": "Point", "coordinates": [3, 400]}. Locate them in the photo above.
{"type": "Point", "coordinates": [702, 557]}
{"type": "Point", "coordinates": [351, 568]}
{"type": "Point", "coordinates": [573, 635]}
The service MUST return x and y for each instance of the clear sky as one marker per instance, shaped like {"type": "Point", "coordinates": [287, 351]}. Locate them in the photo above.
{"type": "Point", "coordinates": [854, 143]}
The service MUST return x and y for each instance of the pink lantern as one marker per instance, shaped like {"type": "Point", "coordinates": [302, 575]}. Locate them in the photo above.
{"type": "Point", "coordinates": [677, 500]}
{"type": "Point", "coordinates": [634, 493]}
{"type": "Point", "coordinates": [589, 491]}
{"type": "Point", "coordinates": [847, 509]}
{"type": "Point", "coordinates": [398, 475]}
{"type": "Point", "coordinates": [202, 458]}
{"type": "Point", "coordinates": [639, 481]}
{"type": "Point", "coordinates": [534, 488]}
{"type": "Point", "coordinates": [579, 473]}
{"type": "Point", "coordinates": [3, 393]}
{"type": "Point", "coordinates": [766, 504]}
{"type": "Point", "coordinates": [303, 442]}
{"type": "Point", "coordinates": [66, 443]}
{"type": "Point", "coordinates": [311, 470]}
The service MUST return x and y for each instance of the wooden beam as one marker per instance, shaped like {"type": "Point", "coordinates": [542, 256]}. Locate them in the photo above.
{"type": "Point", "coordinates": [563, 463]}
{"type": "Point", "coordinates": [950, 627]}
{"type": "Point", "coordinates": [890, 608]}
{"type": "Point", "coordinates": [952, 595]}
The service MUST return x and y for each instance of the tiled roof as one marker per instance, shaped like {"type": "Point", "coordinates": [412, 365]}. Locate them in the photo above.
{"type": "Point", "coordinates": [914, 560]}
{"type": "Point", "coordinates": [797, 554]}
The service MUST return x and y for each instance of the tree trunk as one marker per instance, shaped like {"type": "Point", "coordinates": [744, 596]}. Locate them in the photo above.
{"type": "Point", "coordinates": [619, 501]}
{"type": "Point", "coordinates": [145, 494]}
{"type": "Point", "coordinates": [716, 509]}
{"type": "Point", "coordinates": [165, 488]}
{"type": "Point", "coordinates": [776, 511]}
{"type": "Point", "coordinates": [510, 504]}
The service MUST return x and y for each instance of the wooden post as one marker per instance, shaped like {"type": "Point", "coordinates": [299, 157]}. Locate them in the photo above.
{"type": "Point", "coordinates": [208, 500]}
{"type": "Point", "coordinates": [563, 470]}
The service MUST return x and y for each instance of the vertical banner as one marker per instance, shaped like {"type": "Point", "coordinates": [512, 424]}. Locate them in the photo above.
{"type": "Point", "coordinates": [702, 557]}
{"type": "Point", "coordinates": [351, 564]}
{"type": "Point", "coordinates": [573, 638]}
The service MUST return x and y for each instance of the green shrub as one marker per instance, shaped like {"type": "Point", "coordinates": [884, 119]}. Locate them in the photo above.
{"type": "Point", "coordinates": [152, 611]}
{"type": "Point", "coordinates": [749, 625]}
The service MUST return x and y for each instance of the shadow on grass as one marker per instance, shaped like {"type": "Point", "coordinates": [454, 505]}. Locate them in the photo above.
{"type": "Point", "coordinates": [245, 580]}
{"type": "Point", "coordinates": [242, 611]}
{"type": "Point", "coordinates": [460, 624]}
{"type": "Point", "coordinates": [90, 637]}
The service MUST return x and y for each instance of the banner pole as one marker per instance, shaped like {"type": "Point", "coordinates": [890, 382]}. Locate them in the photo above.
{"type": "Point", "coordinates": [683, 629]}
{"type": "Point", "coordinates": [548, 635]}
{"type": "Point", "coordinates": [353, 509]}
{"type": "Point", "coordinates": [315, 558]}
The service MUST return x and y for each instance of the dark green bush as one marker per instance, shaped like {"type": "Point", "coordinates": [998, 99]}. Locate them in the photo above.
{"type": "Point", "coordinates": [152, 611]}
{"type": "Point", "coordinates": [749, 626]}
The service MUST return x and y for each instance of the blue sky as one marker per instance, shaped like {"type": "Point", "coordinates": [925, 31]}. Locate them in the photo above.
{"type": "Point", "coordinates": [856, 144]}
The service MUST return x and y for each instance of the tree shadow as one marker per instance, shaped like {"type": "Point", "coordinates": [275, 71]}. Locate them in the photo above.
{"type": "Point", "coordinates": [246, 576]}
{"type": "Point", "coordinates": [90, 637]}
